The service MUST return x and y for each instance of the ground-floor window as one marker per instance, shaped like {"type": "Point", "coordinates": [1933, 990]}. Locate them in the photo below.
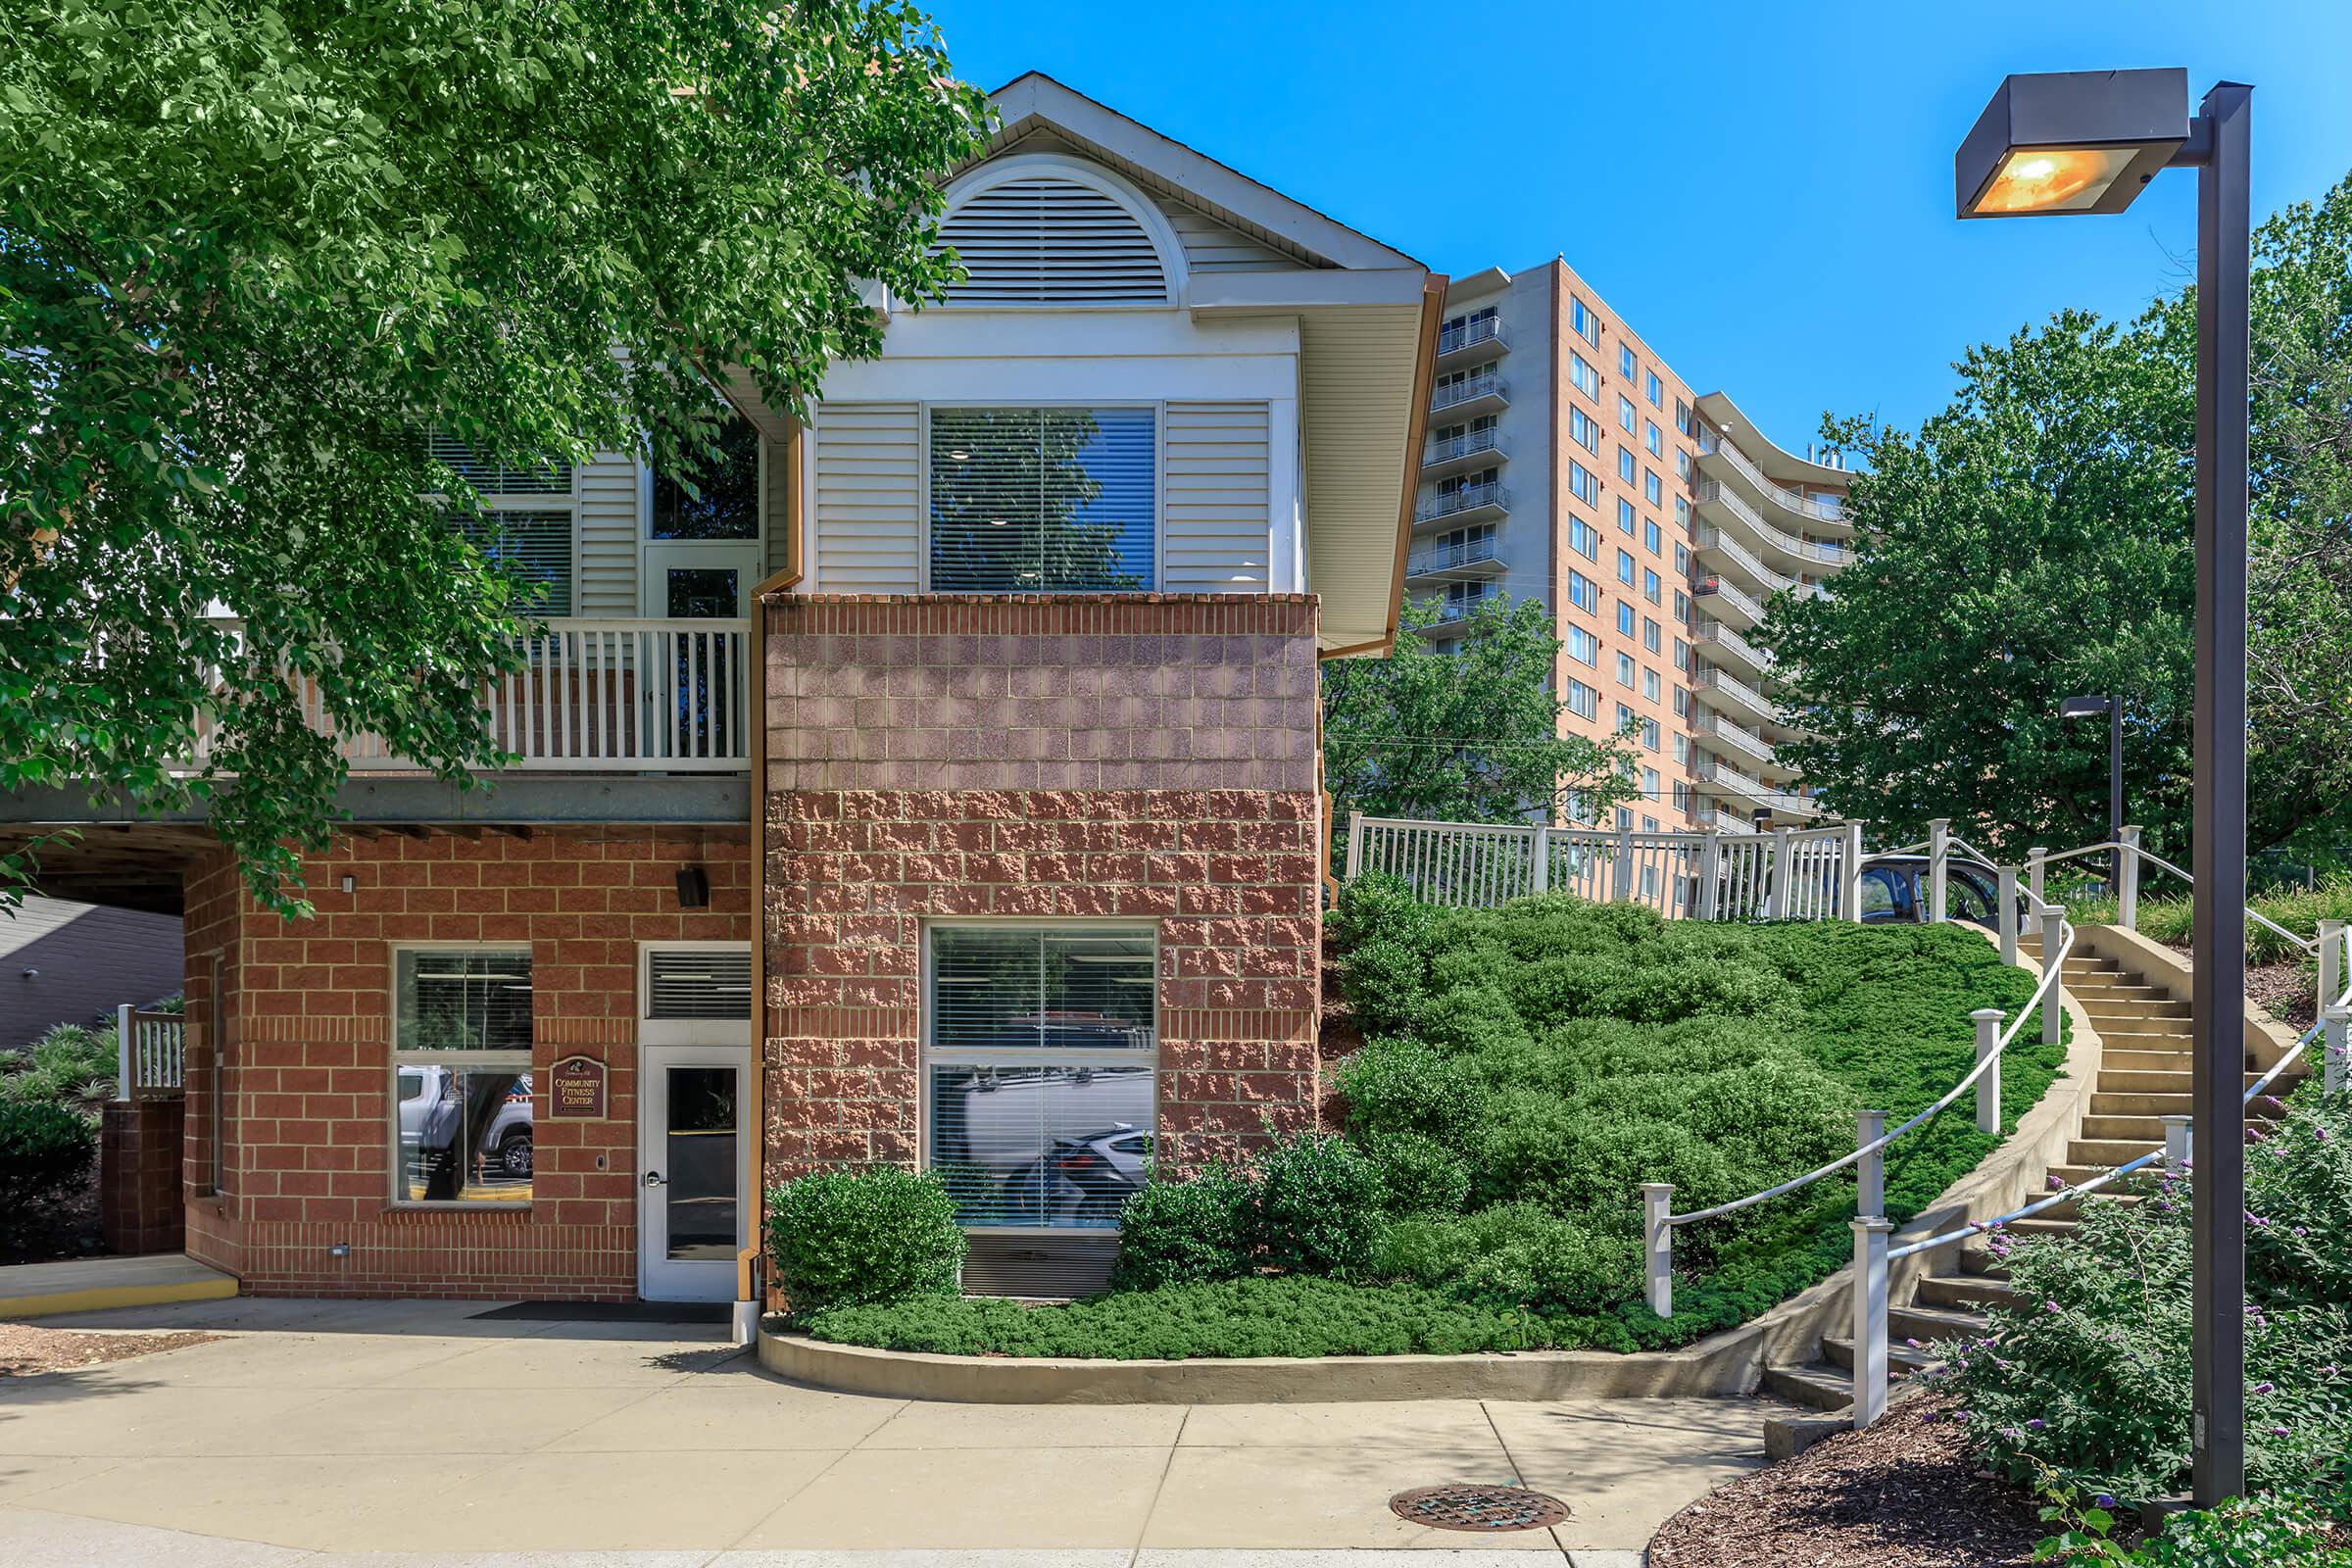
{"type": "Point", "coordinates": [1040, 1050]}
{"type": "Point", "coordinates": [461, 1075]}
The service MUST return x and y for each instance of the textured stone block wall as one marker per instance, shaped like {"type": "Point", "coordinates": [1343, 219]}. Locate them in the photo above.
{"type": "Point", "coordinates": [1145, 758]}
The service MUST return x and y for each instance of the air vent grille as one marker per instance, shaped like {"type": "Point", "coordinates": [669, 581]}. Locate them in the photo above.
{"type": "Point", "coordinates": [1044, 1268]}
{"type": "Point", "coordinates": [1043, 240]}
{"type": "Point", "coordinates": [690, 984]}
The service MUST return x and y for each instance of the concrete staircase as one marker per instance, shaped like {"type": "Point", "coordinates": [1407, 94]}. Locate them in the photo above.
{"type": "Point", "coordinates": [2145, 1075]}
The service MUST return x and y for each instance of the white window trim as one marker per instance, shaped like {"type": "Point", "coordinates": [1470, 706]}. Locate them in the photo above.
{"type": "Point", "coordinates": [1159, 478]}
{"type": "Point", "coordinates": [395, 1058]}
{"type": "Point", "coordinates": [690, 1031]}
{"type": "Point", "coordinates": [928, 1014]}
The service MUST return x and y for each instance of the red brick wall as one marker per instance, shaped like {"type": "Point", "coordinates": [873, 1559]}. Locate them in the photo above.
{"type": "Point", "coordinates": [309, 1056]}
{"type": "Point", "coordinates": [1149, 757]}
{"type": "Point", "coordinates": [138, 1176]}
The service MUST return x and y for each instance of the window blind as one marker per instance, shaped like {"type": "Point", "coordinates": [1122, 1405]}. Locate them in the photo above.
{"type": "Point", "coordinates": [490, 479]}
{"type": "Point", "coordinates": [532, 546]}
{"type": "Point", "coordinates": [700, 983]}
{"type": "Point", "coordinates": [1043, 500]}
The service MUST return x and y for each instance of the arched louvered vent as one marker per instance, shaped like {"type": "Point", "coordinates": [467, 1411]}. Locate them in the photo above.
{"type": "Point", "coordinates": [1041, 239]}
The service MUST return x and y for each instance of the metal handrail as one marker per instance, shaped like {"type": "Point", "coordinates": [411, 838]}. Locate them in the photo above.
{"type": "Point", "coordinates": [1449, 556]}
{"type": "Point", "coordinates": [1470, 334]}
{"type": "Point", "coordinates": [2049, 976]}
{"type": "Point", "coordinates": [1463, 446]}
{"type": "Point", "coordinates": [1772, 533]}
{"type": "Point", "coordinates": [1467, 498]}
{"type": "Point", "coordinates": [2306, 944]}
{"type": "Point", "coordinates": [1820, 509]}
{"type": "Point", "coordinates": [1464, 391]}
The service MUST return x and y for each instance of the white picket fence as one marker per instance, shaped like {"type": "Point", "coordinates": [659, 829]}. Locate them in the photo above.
{"type": "Point", "coordinates": [1786, 874]}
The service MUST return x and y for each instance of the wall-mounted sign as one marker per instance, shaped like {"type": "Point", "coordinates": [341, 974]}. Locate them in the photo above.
{"type": "Point", "coordinates": [576, 1087]}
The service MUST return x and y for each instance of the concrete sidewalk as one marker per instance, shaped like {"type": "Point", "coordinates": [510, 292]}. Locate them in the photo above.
{"type": "Point", "coordinates": [343, 1427]}
{"type": "Point", "coordinates": [92, 1283]}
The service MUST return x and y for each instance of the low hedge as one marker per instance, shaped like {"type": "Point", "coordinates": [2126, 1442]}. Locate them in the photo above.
{"type": "Point", "coordinates": [45, 1149]}
{"type": "Point", "coordinates": [1294, 1316]}
{"type": "Point", "coordinates": [841, 1237]}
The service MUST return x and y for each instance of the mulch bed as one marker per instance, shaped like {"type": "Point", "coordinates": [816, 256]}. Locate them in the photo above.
{"type": "Point", "coordinates": [1903, 1495]}
{"type": "Point", "coordinates": [27, 1351]}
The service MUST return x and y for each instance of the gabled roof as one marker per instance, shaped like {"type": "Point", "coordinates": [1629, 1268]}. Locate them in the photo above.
{"type": "Point", "coordinates": [1166, 167]}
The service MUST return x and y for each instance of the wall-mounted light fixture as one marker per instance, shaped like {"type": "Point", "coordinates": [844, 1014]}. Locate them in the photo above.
{"type": "Point", "coordinates": [694, 888]}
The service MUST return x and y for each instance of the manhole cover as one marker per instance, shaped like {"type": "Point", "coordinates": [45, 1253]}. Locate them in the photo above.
{"type": "Point", "coordinates": [1462, 1507]}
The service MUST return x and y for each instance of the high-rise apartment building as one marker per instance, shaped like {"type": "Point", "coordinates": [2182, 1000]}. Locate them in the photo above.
{"type": "Point", "coordinates": [1568, 463]}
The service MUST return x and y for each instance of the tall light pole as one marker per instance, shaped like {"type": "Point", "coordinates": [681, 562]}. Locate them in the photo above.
{"type": "Point", "coordinates": [2113, 707]}
{"type": "Point", "coordinates": [2086, 143]}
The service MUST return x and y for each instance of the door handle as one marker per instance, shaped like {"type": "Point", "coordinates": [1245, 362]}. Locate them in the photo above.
{"type": "Point", "coordinates": [654, 1178]}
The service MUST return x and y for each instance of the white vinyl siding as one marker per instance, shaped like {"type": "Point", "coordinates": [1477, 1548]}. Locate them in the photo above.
{"type": "Point", "coordinates": [606, 536]}
{"type": "Point", "coordinates": [1217, 508]}
{"type": "Point", "coordinates": [1211, 247]}
{"type": "Point", "coordinates": [868, 522]}
{"type": "Point", "coordinates": [775, 482]}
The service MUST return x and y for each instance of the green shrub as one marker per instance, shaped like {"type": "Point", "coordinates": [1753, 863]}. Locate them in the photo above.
{"type": "Point", "coordinates": [1318, 1205]}
{"type": "Point", "coordinates": [1514, 1254]}
{"type": "Point", "coordinates": [1418, 1175]}
{"type": "Point", "coordinates": [69, 1065]}
{"type": "Point", "coordinates": [842, 1238]}
{"type": "Point", "coordinates": [2262, 1531]}
{"type": "Point", "coordinates": [1178, 1232]}
{"type": "Point", "coordinates": [1289, 1316]}
{"type": "Point", "coordinates": [45, 1149]}
{"type": "Point", "coordinates": [2110, 1307]}
{"type": "Point", "coordinates": [1404, 1086]}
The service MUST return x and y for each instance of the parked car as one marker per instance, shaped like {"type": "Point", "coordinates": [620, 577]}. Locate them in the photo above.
{"type": "Point", "coordinates": [432, 1117]}
{"type": "Point", "coordinates": [1082, 1180]}
{"type": "Point", "coordinates": [1894, 890]}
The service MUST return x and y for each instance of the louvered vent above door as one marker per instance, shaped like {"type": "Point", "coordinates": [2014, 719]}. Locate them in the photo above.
{"type": "Point", "coordinates": [1041, 239]}
{"type": "Point", "coordinates": [688, 985]}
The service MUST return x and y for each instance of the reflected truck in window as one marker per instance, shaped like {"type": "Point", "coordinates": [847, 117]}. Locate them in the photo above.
{"type": "Point", "coordinates": [452, 1142]}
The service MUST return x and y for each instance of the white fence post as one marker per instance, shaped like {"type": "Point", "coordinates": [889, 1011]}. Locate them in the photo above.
{"type": "Point", "coordinates": [1622, 889]}
{"type": "Point", "coordinates": [2176, 1142]}
{"type": "Point", "coordinates": [2036, 872]}
{"type": "Point", "coordinates": [1710, 878]}
{"type": "Point", "coordinates": [2053, 1002]}
{"type": "Point", "coordinates": [2127, 894]}
{"type": "Point", "coordinates": [1851, 887]}
{"type": "Point", "coordinates": [1939, 853]}
{"type": "Point", "coordinates": [1870, 1319]}
{"type": "Point", "coordinates": [2009, 914]}
{"type": "Point", "coordinates": [127, 1077]}
{"type": "Point", "coordinates": [1988, 1087]}
{"type": "Point", "coordinates": [1657, 1242]}
{"type": "Point", "coordinates": [1782, 904]}
{"type": "Point", "coordinates": [2332, 1017]}
{"type": "Point", "coordinates": [1356, 844]}
{"type": "Point", "coordinates": [1538, 871]}
{"type": "Point", "coordinates": [1869, 1171]}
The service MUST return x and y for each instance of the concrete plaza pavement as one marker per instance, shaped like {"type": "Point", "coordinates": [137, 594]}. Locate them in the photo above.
{"type": "Point", "coordinates": [401, 1433]}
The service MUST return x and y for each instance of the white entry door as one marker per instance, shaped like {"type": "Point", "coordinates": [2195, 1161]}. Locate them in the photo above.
{"type": "Point", "coordinates": [693, 1177]}
{"type": "Point", "coordinates": [700, 580]}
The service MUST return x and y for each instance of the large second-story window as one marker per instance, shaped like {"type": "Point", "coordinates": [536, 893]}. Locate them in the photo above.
{"type": "Point", "coordinates": [1058, 500]}
{"type": "Point", "coordinates": [723, 502]}
{"type": "Point", "coordinates": [524, 526]}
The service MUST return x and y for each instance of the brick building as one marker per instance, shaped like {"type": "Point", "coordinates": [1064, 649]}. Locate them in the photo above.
{"type": "Point", "coordinates": [944, 792]}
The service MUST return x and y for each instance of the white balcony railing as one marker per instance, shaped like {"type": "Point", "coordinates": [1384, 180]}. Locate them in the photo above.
{"type": "Point", "coordinates": [1716, 730]}
{"type": "Point", "coordinates": [1730, 596]}
{"type": "Point", "coordinates": [1738, 691]}
{"type": "Point", "coordinates": [1447, 558]}
{"type": "Point", "coordinates": [1820, 508]}
{"type": "Point", "coordinates": [1467, 498]}
{"type": "Point", "coordinates": [1715, 634]}
{"type": "Point", "coordinates": [1467, 390]}
{"type": "Point", "coordinates": [1711, 537]}
{"type": "Point", "coordinates": [1453, 339]}
{"type": "Point", "coordinates": [1771, 534]}
{"type": "Point", "coordinates": [1469, 444]}
{"type": "Point", "coordinates": [604, 696]}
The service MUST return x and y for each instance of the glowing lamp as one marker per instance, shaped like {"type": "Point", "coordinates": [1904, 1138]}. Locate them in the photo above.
{"type": "Point", "coordinates": [2070, 141]}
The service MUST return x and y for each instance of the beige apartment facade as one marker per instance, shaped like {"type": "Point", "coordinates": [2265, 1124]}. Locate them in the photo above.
{"type": "Point", "coordinates": [1567, 463]}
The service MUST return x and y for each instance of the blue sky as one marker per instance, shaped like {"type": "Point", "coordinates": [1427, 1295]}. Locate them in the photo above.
{"type": "Point", "coordinates": [1763, 190]}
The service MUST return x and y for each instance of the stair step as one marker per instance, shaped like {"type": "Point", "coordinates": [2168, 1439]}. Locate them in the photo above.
{"type": "Point", "coordinates": [1817, 1386]}
{"type": "Point", "coordinates": [2045, 1223]}
{"type": "Point", "coordinates": [2142, 1080]}
{"type": "Point", "coordinates": [2105, 1154]}
{"type": "Point", "coordinates": [1960, 1290]}
{"type": "Point", "coordinates": [1902, 1360]}
{"type": "Point", "coordinates": [2104, 1104]}
{"type": "Point", "coordinates": [1928, 1324]}
{"type": "Point", "coordinates": [2128, 1057]}
{"type": "Point", "coordinates": [1977, 1260]}
{"type": "Point", "coordinates": [2121, 1030]}
{"type": "Point", "coordinates": [2145, 1130]}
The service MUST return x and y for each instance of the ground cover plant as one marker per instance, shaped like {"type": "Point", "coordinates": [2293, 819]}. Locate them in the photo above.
{"type": "Point", "coordinates": [2109, 1306]}
{"type": "Point", "coordinates": [1524, 1070]}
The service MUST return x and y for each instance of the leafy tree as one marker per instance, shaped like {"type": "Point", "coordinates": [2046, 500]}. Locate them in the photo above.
{"type": "Point", "coordinates": [249, 255]}
{"type": "Point", "coordinates": [2035, 539]}
{"type": "Point", "coordinates": [1472, 736]}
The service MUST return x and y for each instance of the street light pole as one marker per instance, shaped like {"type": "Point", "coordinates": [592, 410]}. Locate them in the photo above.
{"type": "Point", "coordinates": [2218, 148]}
{"type": "Point", "coordinates": [2114, 796]}
{"type": "Point", "coordinates": [2082, 142]}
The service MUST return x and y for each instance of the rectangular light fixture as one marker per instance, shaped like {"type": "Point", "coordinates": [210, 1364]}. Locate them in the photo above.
{"type": "Point", "coordinates": [2070, 141]}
